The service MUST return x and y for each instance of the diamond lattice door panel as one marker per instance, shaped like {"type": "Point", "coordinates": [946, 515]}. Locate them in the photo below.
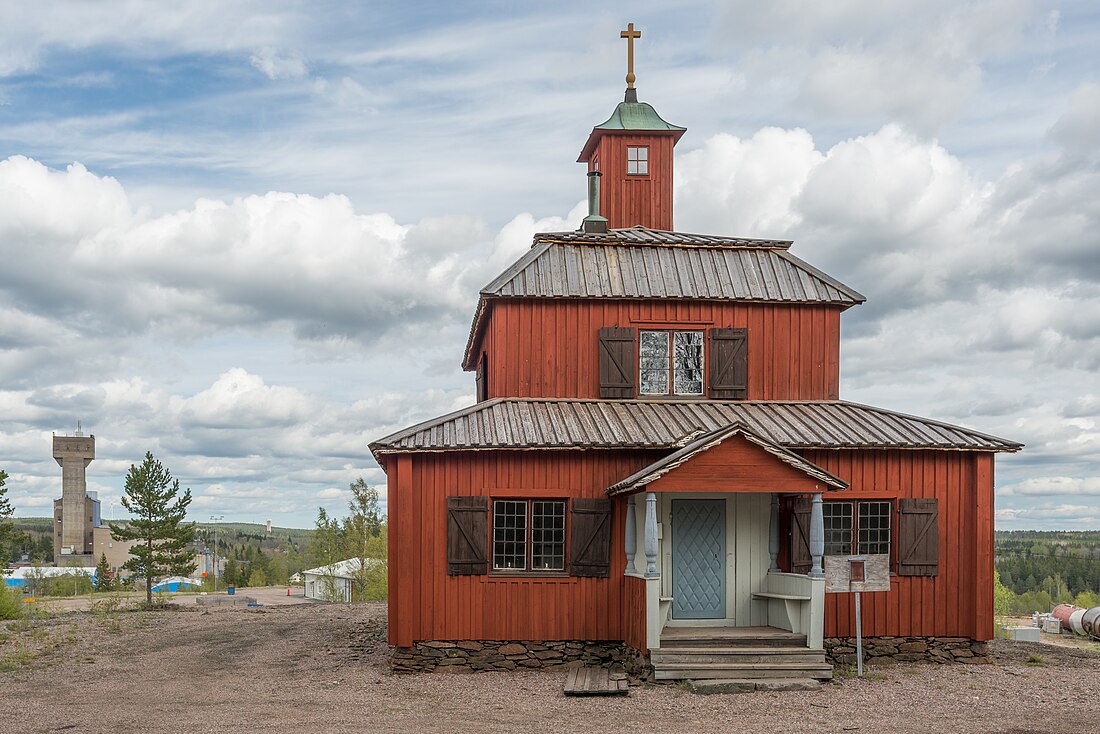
{"type": "Point", "coordinates": [698, 559]}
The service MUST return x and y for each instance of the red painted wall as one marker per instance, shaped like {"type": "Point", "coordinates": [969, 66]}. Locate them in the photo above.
{"type": "Point", "coordinates": [549, 348]}
{"type": "Point", "coordinates": [736, 465]}
{"type": "Point", "coordinates": [959, 601]}
{"type": "Point", "coordinates": [629, 200]}
{"type": "Point", "coordinates": [427, 604]}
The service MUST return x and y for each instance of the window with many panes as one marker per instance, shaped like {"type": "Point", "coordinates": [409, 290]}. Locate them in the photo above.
{"type": "Point", "coordinates": [528, 535]}
{"type": "Point", "coordinates": [856, 528]}
{"type": "Point", "coordinates": [670, 362]}
{"type": "Point", "coordinates": [637, 161]}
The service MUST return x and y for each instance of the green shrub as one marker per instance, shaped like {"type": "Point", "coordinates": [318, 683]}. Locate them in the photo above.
{"type": "Point", "coordinates": [11, 603]}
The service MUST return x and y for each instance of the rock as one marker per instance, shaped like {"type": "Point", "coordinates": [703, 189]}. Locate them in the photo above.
{"type": "Point", "coordinates": [547, 654]}
{"type": "Point", "coordinates": [962, 653]}
{"type": "Point", "coordinates": [913, 646]}
{"type": "Point", "coordinates": [470, 645]}
{"type": "Point", "coordinates": [787, 684]}
{"type": "Point", "coordinates": [438, 644]}
{"type": "Point", "coordinates": [512, 648]}
{"type": "Point", "coordinates": [706, 687]}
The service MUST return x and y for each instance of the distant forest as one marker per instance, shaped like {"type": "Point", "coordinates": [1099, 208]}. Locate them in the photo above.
{"type": "Point", "coordinates": [1040, 569]}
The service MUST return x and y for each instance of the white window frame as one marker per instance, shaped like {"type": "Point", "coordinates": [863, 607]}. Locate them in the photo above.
{"type": "Point", "coordinates": [529, 532]}
{"type": "Point", "coordinates": [637, 160]}
{"type": "Point", "coordinates": [671, 352]}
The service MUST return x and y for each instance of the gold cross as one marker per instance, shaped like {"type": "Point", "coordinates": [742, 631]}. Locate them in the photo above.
{"type": "Point", "coordinates": [630, 34]}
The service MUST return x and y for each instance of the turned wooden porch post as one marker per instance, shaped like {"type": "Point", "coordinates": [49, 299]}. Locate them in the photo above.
{"type": "Point", "coordinates": [631, 536]}
{"type": "Point", "coordinates": [651, 535]}
{"type": "Point", "coordinates": [817, 537]}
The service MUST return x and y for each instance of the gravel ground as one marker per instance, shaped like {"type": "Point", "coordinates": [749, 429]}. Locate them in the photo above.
{"type": "Point", "coordinates": [322, 668]}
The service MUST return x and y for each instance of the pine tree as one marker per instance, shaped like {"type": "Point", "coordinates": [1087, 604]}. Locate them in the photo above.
{"type": "Point", "coordinates": [104, 581]}
{"type": "Point", "coordinates": [157, 521]}
{"type": "Point", "coordinates": [7, 528]}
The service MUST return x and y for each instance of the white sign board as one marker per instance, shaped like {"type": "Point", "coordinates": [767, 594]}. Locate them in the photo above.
{"type": "Point", "coordinates": [857, 573]}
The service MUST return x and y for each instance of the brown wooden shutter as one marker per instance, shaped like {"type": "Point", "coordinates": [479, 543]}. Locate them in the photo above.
{"type": "Point", "coordinates": [590, 530]}
{"type": "Point", "coordinates": [467, 536]}
{"type": "Point", "coordinates": [617, 362]}
{"type": "Point", "coordinates": [918, 537]}
{"type": "Point", "coordinates": [801, 562]}
{"type": "Point", "coordinates": [729, 364]}
{"type": "Point", "coordinates": [482, 378]}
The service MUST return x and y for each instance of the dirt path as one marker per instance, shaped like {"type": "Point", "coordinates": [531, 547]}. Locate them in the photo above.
{"type": "Point", "coordinates": [322, 668]}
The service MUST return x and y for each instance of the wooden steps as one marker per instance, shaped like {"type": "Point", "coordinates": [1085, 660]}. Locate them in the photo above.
{"type": "Point", "coordinates": [741, 658]}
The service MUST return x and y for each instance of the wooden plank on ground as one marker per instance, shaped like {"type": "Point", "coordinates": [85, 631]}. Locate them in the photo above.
{"type": "Point", "coordinates": [590, 681]}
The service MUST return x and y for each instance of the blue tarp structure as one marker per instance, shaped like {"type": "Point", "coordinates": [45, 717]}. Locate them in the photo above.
{"type": "Point", "coordinates": [177, 583]}
{"type": "Point", "coordinates": [19, 577]}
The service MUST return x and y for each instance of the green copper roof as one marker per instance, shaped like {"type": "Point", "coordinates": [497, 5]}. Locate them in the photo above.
{"type": "Point", "coordinates": [636, 116]}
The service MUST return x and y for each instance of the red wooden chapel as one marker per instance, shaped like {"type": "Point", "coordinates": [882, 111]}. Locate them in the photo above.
{"type": "Point", "coordinates": [659, 456]}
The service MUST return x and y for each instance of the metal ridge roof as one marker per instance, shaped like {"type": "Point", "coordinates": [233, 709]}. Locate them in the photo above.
{"type": "Point", "coordinates": [596, 270]}
{"type": "Point", "coordinates": [549, 423]}
{"type": "Point", "coordinates": [639, 234]}
{"type": "Point", "coordinates": [708, 441]}
{"type": "Point", "coordinates": [639, 262]}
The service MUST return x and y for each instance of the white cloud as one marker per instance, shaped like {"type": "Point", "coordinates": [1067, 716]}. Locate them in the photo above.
{"type": "Point", "coordinates": [1052, 486]}
{"type": "Point", "coordinates": [279, 66]}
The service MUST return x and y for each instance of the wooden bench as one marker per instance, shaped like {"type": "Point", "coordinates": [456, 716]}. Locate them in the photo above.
{"type": "Point", "coordinates": [792, 607]}
{"type": "Point", "coordinates": [783, 597]}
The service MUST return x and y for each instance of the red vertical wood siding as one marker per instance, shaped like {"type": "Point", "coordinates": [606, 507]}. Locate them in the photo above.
{"type": "Point", "coordinates": [735, 465]}
{"type": "Point", "coordinates": [427, 604]}
{"type": "Point", "coordinates": [958, 602]}
{"type": "Point", "coordinates": [627, 200]}
{"type": "Point", "coordinates": [549, 348]}
{"type": "Point", "coordinates": [633, 617]}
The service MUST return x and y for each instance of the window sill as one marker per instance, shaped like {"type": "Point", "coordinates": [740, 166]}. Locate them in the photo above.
{"type": "Point", "coordinates": [530, 577]}
{"type": "Point", "coordinates": [667, 398]}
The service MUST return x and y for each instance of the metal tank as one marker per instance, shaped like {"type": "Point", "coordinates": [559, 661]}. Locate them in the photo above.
{"type": "Point", "coordinates": [1090, 622]}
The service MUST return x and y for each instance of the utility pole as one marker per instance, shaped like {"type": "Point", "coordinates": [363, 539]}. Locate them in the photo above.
{"type": "Point", "coordinates": [216, 519]}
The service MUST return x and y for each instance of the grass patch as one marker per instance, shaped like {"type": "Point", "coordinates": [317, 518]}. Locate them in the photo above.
{"type": "Point", "coordinates": [1035, 659]}
{"type": "Point", "coordinates": [15, 659]}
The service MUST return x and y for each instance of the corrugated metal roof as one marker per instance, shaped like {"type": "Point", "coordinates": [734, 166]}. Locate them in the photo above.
{"type": "Point", "coordinates": [590, 424]}
{"type": "Point", "coordinates": [639, 262]}
{"type": "Point", "coordinates": [640, 235]}
{"type": "Point", "coordinates": [647, 263]}
{"type": "Point", "coordinates": [707, 441]}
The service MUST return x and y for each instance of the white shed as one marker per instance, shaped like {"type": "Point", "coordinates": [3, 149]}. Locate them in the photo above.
{"type": "Point", "coordinates": [334, 581]}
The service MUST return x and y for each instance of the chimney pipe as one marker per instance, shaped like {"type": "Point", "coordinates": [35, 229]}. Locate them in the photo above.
{"type": "Point", "coordinates": [594, 223]}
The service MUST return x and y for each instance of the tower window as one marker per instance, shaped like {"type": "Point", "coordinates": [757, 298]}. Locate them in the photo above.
{"type": "Point", "coordinates": [637, 161]}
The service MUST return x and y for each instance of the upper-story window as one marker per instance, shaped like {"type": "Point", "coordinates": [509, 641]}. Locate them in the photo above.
{"type": "Point", "coordinates": [649, 362]}
{"type": "Point", "coordinates": [670, 362]}
{"type": "Point", "coordinates": [637, 161]}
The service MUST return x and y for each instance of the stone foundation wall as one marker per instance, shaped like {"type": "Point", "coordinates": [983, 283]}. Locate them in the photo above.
{"type": "Point", "coordinates": [886, 650]}
{"type": "Point", "coordinates": [472, 656]}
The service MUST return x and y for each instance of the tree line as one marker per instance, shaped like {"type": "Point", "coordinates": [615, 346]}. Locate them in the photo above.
{"type": "Point", "coordinates": [1037, 570]}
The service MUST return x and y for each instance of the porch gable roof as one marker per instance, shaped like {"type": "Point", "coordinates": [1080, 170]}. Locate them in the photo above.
{"type": "Point", "coordinates": [751, 463]}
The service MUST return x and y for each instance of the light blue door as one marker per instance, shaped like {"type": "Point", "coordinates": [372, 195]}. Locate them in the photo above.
{"type": "Point", "coordinates": [698, 559]}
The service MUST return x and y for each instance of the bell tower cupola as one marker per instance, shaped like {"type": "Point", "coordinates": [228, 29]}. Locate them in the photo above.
{"type": "Point", "coordinates": [632, 152]}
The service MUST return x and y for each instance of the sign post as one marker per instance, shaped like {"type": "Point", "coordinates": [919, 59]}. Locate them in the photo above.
{"type": "Point", "coordinates": [856, 574]}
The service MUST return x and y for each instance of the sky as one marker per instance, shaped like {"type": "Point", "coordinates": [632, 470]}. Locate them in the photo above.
{"type": "Point", "coordinates": [248, 236]}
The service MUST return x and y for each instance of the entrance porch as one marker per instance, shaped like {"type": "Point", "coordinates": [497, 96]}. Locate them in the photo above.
{"type": "Point", "coordinates": [707, 569]}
